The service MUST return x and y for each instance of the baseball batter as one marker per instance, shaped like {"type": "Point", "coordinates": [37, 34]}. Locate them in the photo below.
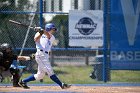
{"type": "Point", "coordinates": [44, 40]}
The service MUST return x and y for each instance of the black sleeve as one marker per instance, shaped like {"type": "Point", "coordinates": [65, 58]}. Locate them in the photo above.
{"type": "Point", "coordinates": [15, 57]}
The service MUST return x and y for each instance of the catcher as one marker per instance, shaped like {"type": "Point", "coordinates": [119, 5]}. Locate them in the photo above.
{"type": "Point", "coordinates": [6, 59]}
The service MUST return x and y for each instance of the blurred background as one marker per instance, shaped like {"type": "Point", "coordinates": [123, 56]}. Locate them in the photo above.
{"type": "Point", "coordinates": [115, 59]}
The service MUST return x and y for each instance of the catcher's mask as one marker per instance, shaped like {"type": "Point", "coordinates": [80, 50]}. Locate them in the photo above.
{"type": "Point", "coordinates": [50, 26]}
{"type": "Point", "coordinates": [6, 48]}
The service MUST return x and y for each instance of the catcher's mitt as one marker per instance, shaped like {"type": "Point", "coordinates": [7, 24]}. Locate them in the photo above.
{"type": "Point", "coordinates": [32, 56]}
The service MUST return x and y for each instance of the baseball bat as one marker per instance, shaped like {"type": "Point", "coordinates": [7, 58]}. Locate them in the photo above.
{"type": "Point", "coordinates": [20, 24]}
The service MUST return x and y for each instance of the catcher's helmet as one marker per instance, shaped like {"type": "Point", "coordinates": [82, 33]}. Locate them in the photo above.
{"type": "Point", "coordinates": [5, 46]}
{"type": "Point", "coordinates": [50, 26]}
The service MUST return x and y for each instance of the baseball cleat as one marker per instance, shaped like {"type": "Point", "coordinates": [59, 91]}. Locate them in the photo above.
{"type": "Point", "coordinates": [23, 84]}
{"type": "Point", "coordinates": [65, 86]}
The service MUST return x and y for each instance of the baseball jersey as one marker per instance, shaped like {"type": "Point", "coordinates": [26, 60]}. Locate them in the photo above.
{"type": "Point", "coordinates": [44, 43]}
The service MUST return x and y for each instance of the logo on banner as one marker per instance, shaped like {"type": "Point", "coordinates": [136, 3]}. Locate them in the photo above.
{"type": "Point", "coordinates": [86, 26]}
{"type": "Point", "coordinates": [131, 18]}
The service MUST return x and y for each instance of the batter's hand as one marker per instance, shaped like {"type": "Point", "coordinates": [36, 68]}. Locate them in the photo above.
{"type": "Point", "coordinates": [39, 29]}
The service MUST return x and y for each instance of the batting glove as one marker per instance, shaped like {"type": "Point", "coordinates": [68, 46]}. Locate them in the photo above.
{"type": "Point", "coordinates": [39, 29]}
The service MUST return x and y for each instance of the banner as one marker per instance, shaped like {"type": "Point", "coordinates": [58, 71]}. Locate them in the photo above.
{"type": "Point", "coordinates": [125, 33]}
{"type": "Point", "coordinates": [86, 28]}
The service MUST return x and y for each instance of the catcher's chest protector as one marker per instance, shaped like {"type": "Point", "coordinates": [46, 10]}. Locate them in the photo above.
{"type": "Point", "coordinates": [6, 62]}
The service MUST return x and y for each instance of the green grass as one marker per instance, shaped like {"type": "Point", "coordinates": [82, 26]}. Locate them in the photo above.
{"type": "Point", "coordinates": [125, 76]}
{"type": "Point", "coordinates": [80, 75]}
{"type": "Point", "coordinates": [71, 74]}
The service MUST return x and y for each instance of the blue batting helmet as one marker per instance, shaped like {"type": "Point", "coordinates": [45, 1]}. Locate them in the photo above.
{"type": "Point", "coordinates": [50, 26]}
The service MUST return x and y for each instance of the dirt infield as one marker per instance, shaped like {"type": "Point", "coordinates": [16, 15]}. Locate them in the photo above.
{"type": "Point", "coordinates": [73, 89]}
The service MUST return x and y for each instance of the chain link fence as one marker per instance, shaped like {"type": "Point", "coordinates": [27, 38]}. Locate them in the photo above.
{"type": "Point", "coordinates": [40, 12]}
{"type": "Point", "coordinates": [28, 12]}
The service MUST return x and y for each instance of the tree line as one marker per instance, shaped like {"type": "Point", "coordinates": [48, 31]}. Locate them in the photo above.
{"type": "Point", "coordinates": [20, 11]}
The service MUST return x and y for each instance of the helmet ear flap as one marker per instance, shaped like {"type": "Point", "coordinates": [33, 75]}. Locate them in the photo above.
{"type": "Point", "coordinates": [48, 29]}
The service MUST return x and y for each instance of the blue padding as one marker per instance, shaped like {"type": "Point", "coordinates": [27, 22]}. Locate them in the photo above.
{"type": "Point", "coordinates": [34, 49]}
{"type": "Point", "coordinates": [21, 67]}
{"type": "Point", "coordinates": [125, 65]}
{"type": "Point", "coordinates": [16, 65]}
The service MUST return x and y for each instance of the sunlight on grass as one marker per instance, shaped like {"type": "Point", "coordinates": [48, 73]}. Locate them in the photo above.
{"type": "Point", "coordinates": [80, 75]}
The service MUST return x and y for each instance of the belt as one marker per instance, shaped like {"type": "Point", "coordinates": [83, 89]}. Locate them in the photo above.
{"type": "Point", "coordinates": [44, 51]}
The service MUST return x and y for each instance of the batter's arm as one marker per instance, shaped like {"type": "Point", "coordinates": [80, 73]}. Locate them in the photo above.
{"type": "Point", "coordinates": [37, 37]}
{"type": "Point", "coordinates": [39, 33]}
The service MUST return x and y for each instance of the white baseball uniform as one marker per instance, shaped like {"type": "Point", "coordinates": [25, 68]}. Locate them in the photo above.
{"type": "Point", "coordinates": [43, 46]}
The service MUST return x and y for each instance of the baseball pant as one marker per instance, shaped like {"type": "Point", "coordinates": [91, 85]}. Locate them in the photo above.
{"type": "Point", "coordinates": [44, 65]}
